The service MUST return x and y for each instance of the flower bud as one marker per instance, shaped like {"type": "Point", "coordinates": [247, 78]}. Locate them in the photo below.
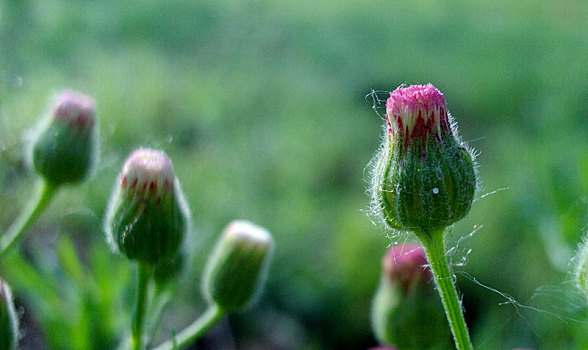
{"type": "Point", "coordinates": [405, 265]}
{"type": "Point", "coordinates": [236, 270]}
{"type": "Point", "coordinates": [8, 319]}
{"type": "Point", "coordinates": [147, 216]}
{"type": "Point", "coordinates": [406, 312]}
{"type": "Point", "coordinates": [66, 149]}
{"type": "Point", "coordinates": [424, 177]}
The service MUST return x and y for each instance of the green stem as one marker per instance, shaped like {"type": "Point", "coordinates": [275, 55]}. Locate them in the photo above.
{"type": "Point", "coordinates": [28, 216]}
{"type": "Point", "coordinates": [160, 300]}
{"type": "Point", "coordinates": [195, 330]}
{"type": "Point", "coordinates": [434, 244]}
{"type": "Point", "coordinates": [143, 276]}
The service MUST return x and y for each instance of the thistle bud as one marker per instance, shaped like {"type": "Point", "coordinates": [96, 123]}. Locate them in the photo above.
{"type": "Point", "coordinates": [65, 150]}
{"type": "Point", "coordinates": [147, 216]}
{"type": "Point", "coordinates": [236, 270]}
{"type": "Point", "coordinates": [424, 177]}
{"type": "Point", "coordinates": [406, 311]}
{"type": "Point", "coordinates": [8, 319]}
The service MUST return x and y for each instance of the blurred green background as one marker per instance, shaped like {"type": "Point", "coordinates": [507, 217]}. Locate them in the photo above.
{"type": "Point", "coordinates": [261, 105]}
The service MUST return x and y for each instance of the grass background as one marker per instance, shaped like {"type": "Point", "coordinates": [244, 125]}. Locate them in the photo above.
{"type": "Point", "coordinates": [261, 106]}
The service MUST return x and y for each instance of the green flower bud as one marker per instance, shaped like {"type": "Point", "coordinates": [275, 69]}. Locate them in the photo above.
{"type": "Point", "coordinates": [66, 148]}
{"type": "Point", "coordinates": [424, 177]}
{"type": "Point", "coordinates": [147, 216]}
{"type": "Point", "coordinates": [236, 270]}
{"type": "Point", "coordinates": [406, 312]}
{"type": "Point", "coordinates": [8, 319]}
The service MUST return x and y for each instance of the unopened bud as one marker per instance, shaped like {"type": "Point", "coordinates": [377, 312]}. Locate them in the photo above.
{"type": "Point", "coordinates": [147, 216]}
{"type": "Point", "coordinates": [424, 177]}
{"type": "Point", "coordinates": [406, 266]}
{"type": "Point", "coordinates": [406, 312]}
{"type": "Point", "coordinates": [8, 319]}
{"type": "Point", "coordinates": [66, 148]}
{"type": "Point", "coordinates": [236, 270]}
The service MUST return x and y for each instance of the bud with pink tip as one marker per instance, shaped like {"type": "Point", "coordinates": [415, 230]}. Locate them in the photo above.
{"type": "Point", "coordinates": [147, 216]}
{"type": "Point", "coordinates": [406, 306]}
{"type": "Point", "coordinates": [424, 177]}
{"type": "Point", "coordinates": [66, 150]}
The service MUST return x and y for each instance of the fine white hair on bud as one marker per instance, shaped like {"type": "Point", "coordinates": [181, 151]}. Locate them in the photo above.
{"type": "Point", "coordinates": [147, 216]}
{"type": "Point", "coordinates": [581, 272]}
{"type": "Point", "coordinates": [423, 177]}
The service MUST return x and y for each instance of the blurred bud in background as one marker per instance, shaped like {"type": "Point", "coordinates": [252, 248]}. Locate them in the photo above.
{"type": "Point", "coordinates": [236, 271]}
{"type": "Point", "coordinates": [65, 150]}
{"type": "Point", "coordinates": [406, 310]}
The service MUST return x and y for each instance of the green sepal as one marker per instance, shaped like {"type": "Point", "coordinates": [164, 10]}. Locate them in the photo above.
{"type": "Point", "coordinates": [62, 155]}
{"type": "Point", "coordinates": [149, 230]}
{"type": "Point", "coordinates": [409, 321]}
{"type": "Point", "coordinates": [424, 186]}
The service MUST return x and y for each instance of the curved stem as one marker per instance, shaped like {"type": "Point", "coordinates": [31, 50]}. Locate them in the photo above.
{"type": "Point", "coordinates": [160, 300]}
{"type": "Point", "coordinates": [195, 330]}
{"type": "Point", "coordinates": [434, 245]}
{"type": "Point", "coordinates": [143, 277]}
{"type": "Point", "coordinates": [28, 216]}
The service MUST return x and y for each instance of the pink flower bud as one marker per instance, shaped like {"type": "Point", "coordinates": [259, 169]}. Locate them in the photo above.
{"type": "Point", "coordinates": [406, 265]}
{"type": "Point", "coordinates": [66, 148]}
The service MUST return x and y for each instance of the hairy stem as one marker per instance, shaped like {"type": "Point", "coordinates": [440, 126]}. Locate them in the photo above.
{"type": "Point", "coordinates": [434, 245]}
{"type": "Point", "coordinates": [27, 217]}
{"type": "Point", "coordinates": [143, 276]}
{"type": "Point", "coordinates": [195, 330]}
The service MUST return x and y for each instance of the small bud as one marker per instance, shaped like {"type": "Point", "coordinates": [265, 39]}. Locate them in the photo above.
{"type": "Point", "coordinates": [405, 265]}
{"type": "Point", "coordinates": [424, 177]}
{"type": "Point", "coordinates": [236, 270]}
{"type": "Point", "coordinates": [8, 319]}
{"type": "Point", "coordinates": [406, 312]}
{"type": "Point", "coordinates": [147, 216]}
{"type": "Point", "coordinates": [66, 148]}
